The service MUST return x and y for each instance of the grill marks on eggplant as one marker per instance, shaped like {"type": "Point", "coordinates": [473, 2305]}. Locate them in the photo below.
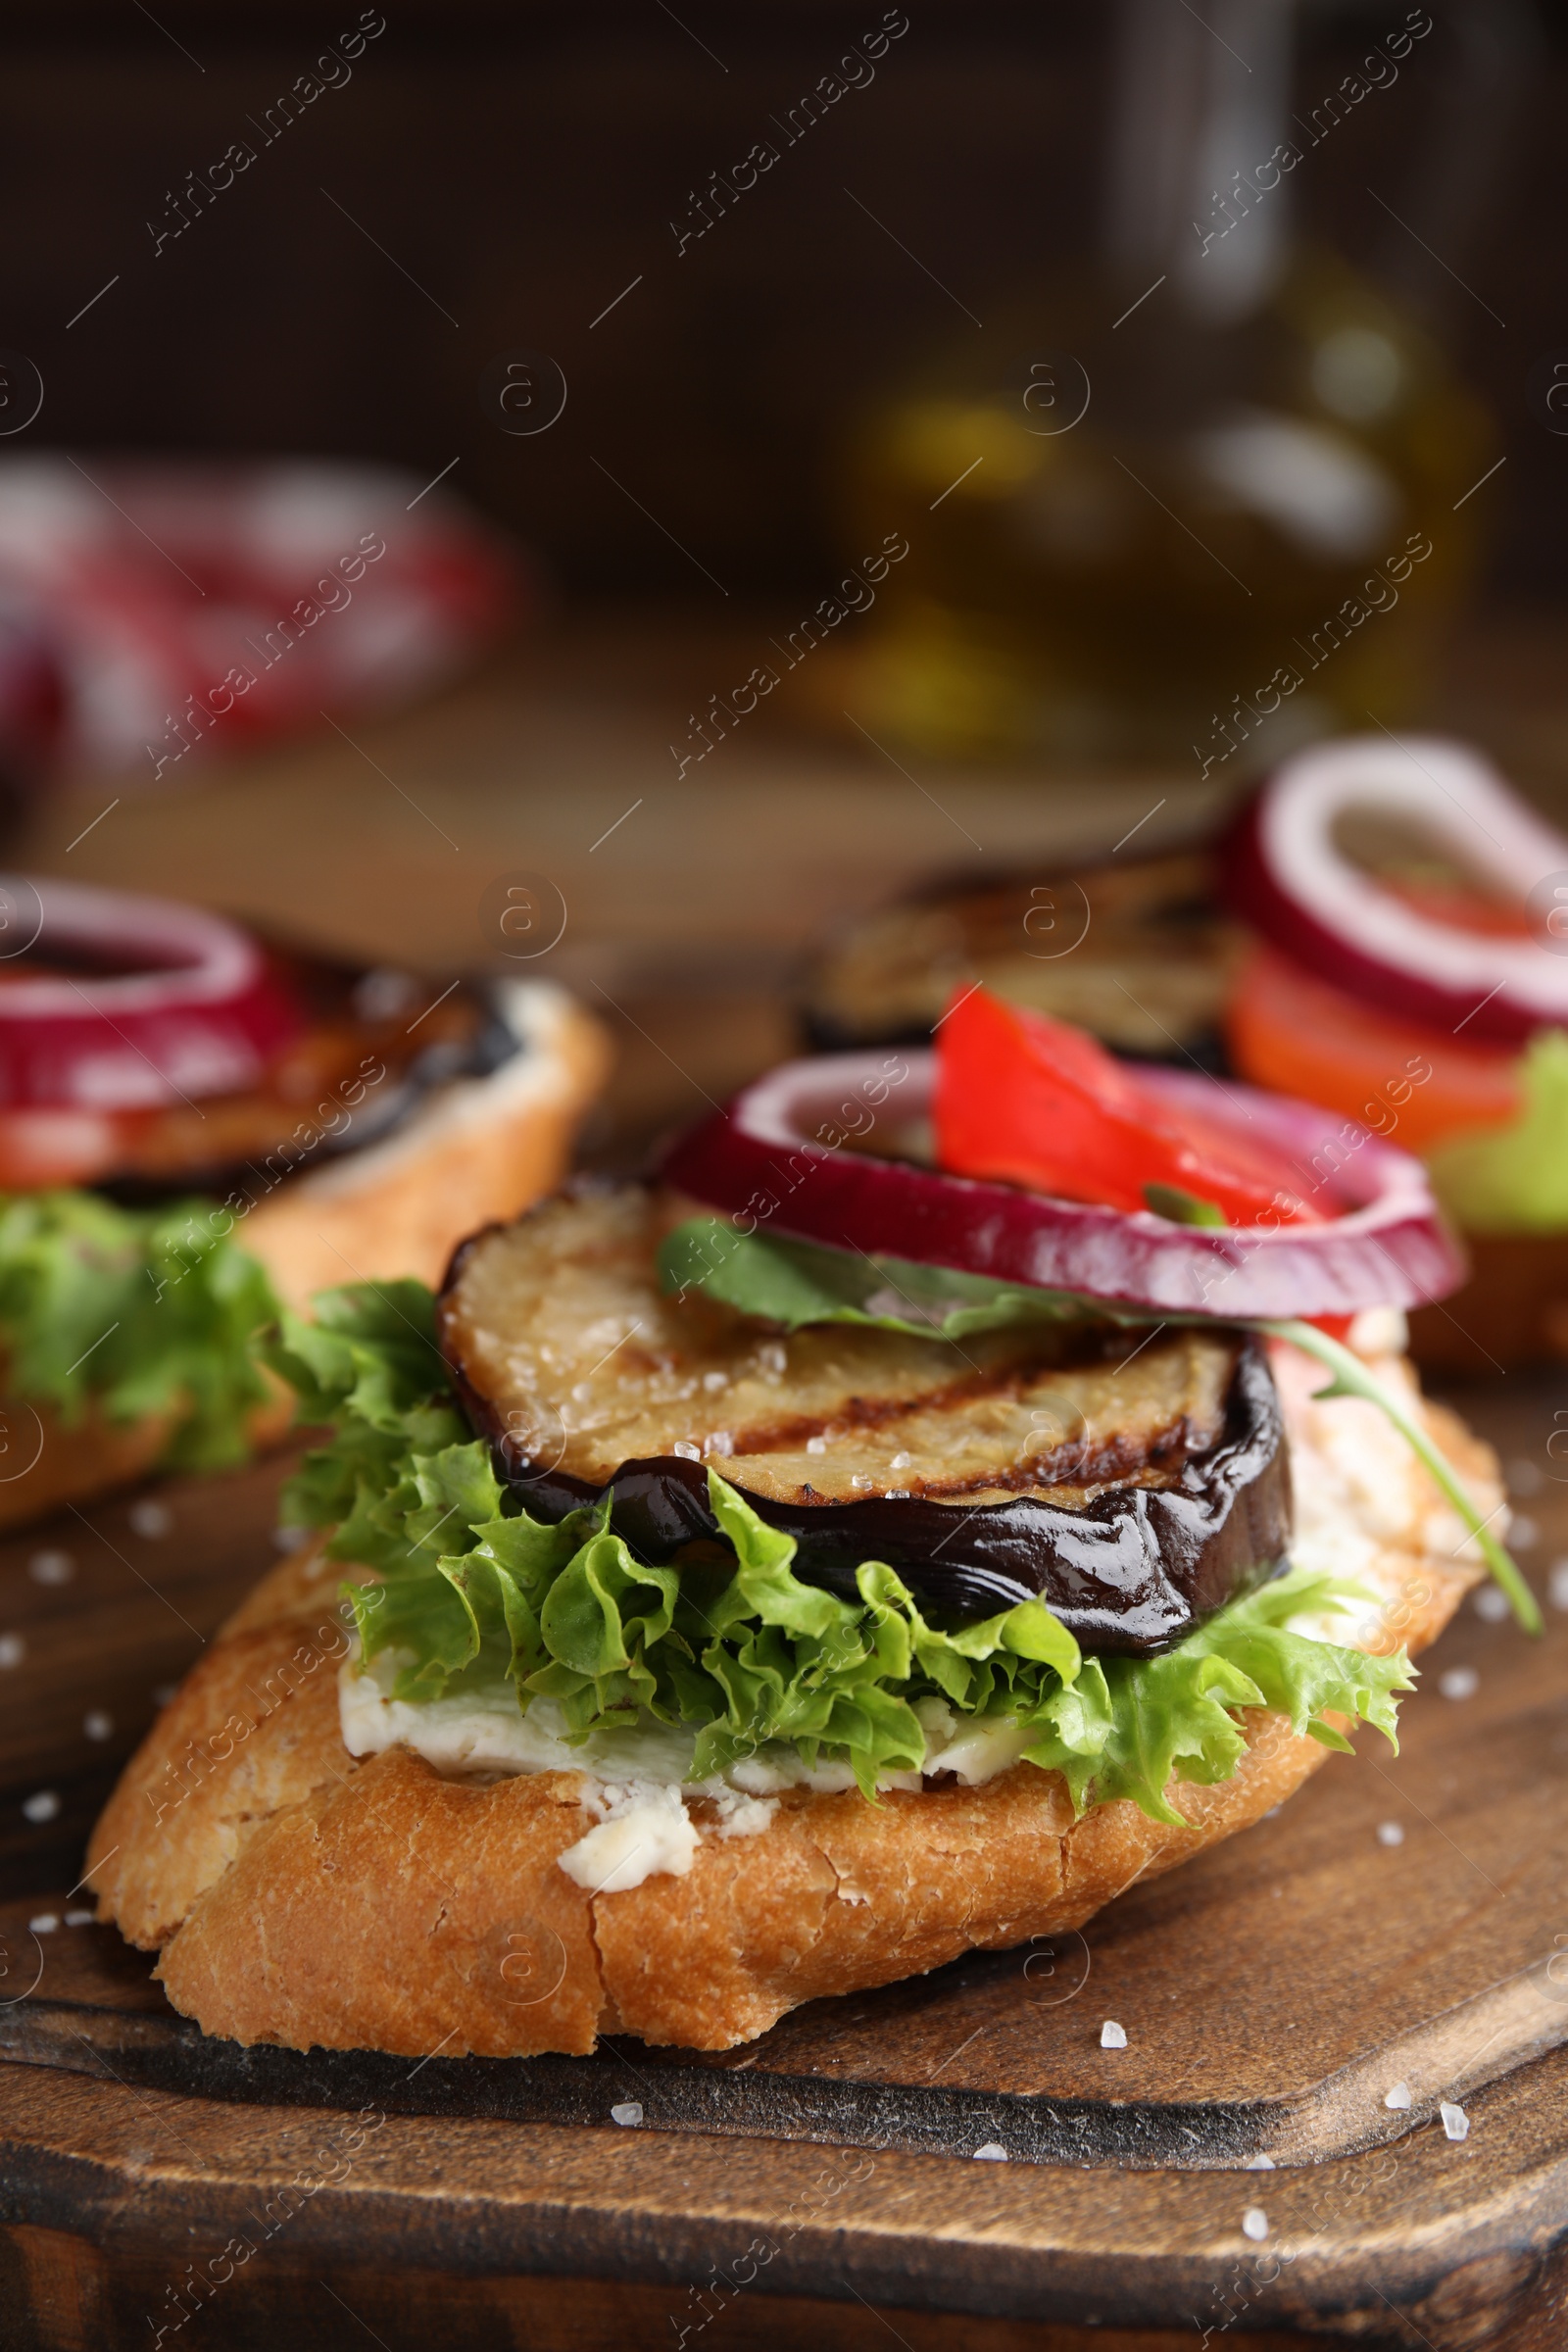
{"type": "Point", "coordinates": [559, 1325]}
{"type": "Point", "coordinates": [1136, 1488]}
{"type": "Point", "coordinates": [1069, 1430]}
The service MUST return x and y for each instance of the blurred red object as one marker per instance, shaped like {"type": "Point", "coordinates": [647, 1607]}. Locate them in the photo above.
{"type": "Point", "coordinates": [183, 606]}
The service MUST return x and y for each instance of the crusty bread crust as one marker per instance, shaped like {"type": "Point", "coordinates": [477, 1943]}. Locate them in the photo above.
{"type": "Point", "coordinates": [479, 1152]}
{"type": "Point", "coordinates": [475, 1150]}
{"type": "Point", "coordinates": [303, 1897]}
{"type": "Point", "coordinates": [59, 1462]}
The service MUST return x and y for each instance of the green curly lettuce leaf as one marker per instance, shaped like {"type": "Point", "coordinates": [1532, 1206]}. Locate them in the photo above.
{"type": "Point", "coordinates": [1129, 1724]}
{"type": "Point", "coordinates": [138, 1311]}
{"type": "Point", "coordinates": [729, 1641]}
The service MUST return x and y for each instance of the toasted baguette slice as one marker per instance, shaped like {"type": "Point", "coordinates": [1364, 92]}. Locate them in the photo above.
{"type": "Point", "coordinates": [474, 1150]}
{"type": "Point", "coordinates": [303, 1897]}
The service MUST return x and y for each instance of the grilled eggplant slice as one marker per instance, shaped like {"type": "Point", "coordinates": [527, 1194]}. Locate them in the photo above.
{"type": "Point", "coordinates": [1136, 1488]}
{"type": "Point", "coordinates": [1135, 948]}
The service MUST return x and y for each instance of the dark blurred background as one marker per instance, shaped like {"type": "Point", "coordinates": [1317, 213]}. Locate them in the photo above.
{"type": "Point", "coordinates": [523, 164]}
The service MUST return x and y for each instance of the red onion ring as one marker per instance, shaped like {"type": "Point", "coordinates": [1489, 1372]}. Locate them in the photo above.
{"type": "Point", "coordinates": [1284, 874]}
{"type": "Point", "coordinates": [200, 1012]}
{"type": "Point", "coordinates": [1386, 1244]}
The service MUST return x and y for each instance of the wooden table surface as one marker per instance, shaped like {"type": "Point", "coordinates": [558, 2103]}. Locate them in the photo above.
{"type": "Point", "coordinates": [824, 2181]}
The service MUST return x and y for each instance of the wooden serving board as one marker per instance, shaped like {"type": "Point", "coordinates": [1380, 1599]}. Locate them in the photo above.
{"type": "Point", "coordinates": [1272, 1993]}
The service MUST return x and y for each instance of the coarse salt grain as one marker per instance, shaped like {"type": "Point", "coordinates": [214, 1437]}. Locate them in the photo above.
{"type": "Point", "coordinates": [1523, 1532]}
{"type": "Point", "coordinates": [1492, 1603]}
{"type": "Point", "coordinates": [992, 2153]}
{"type": "Point", "coordinates": [816, 1444]}
{"type": "Point", "coordinates": [1259, 2164]}
{"type": "Point", "coordinates": [686, 1451]}
{"type": "Point", "coordinates": [151, 1518]}
{"type": "Point", "coordinates": [1459, 1682]}
{"type": "Point", "coordinates": [1391, 1833]}
{"type": "Point", "coordinates": [1523, 1478]}
{"type": "Point", "coordinates": [1557, 1585]}
{"type": "Point", "coordinates": [80, 1919]}
{"type": "Point", "coordinates": [1455, 2122]}
{"type": "Point", "coordinates": [43, 1923]}
{"type": "Point", "coordinates": [1255, 2223]}
{"type": "Point", "coordinates": [1398, 2096]}
{"type": "Point", "coordinates": [1112, 2035]}
{"type": "Point", "coordinates": [12, 1649]}
{"type": "Point", "coordinates": [97, 1725]}
{"type": "Point", "coordinates": [900, 1461]}
{"type": "Point", "coordinates": [382, 994]}
{"type": "Point", "coordinates": [51, 1567]}
{"type": "Point", "coordinates": [628, 2112]}
{"type": "Point", "coordinates": [44, 1806]}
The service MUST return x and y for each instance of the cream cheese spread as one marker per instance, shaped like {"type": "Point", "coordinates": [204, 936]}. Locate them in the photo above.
{"type": "Point", "coordinates": [638, 1781]}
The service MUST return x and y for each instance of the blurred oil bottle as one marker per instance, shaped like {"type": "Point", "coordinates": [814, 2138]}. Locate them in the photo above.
{"type": "Point", "coordinates": [1140, 504]}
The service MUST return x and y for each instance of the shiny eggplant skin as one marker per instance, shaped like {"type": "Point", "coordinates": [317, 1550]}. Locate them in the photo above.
{"type": "Point", "coordinates": [1133, 1572]}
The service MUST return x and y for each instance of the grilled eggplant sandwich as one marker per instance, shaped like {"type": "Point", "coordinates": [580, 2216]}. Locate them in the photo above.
{"type": "Point", "coordinates": [195, 1125]}
{"type": "Point", "coordinates": [872, 1540]}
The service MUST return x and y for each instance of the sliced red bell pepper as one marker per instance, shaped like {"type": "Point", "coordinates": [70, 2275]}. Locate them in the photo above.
{"type": "Point", "coordinates": [1031, 1100]}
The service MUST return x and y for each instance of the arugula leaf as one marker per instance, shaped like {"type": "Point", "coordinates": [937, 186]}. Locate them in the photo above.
{"type": "Point", "coordinates": [1183, 1209]}
{"type": "Point", "coordinates": [139, 1311]}
{"type": "Point", "coordinates": [737, 1646]}
{"type": "Point", "coordinates": [795, 1283]}
{"type": "Point", "coordinates": [1353, 1378]}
